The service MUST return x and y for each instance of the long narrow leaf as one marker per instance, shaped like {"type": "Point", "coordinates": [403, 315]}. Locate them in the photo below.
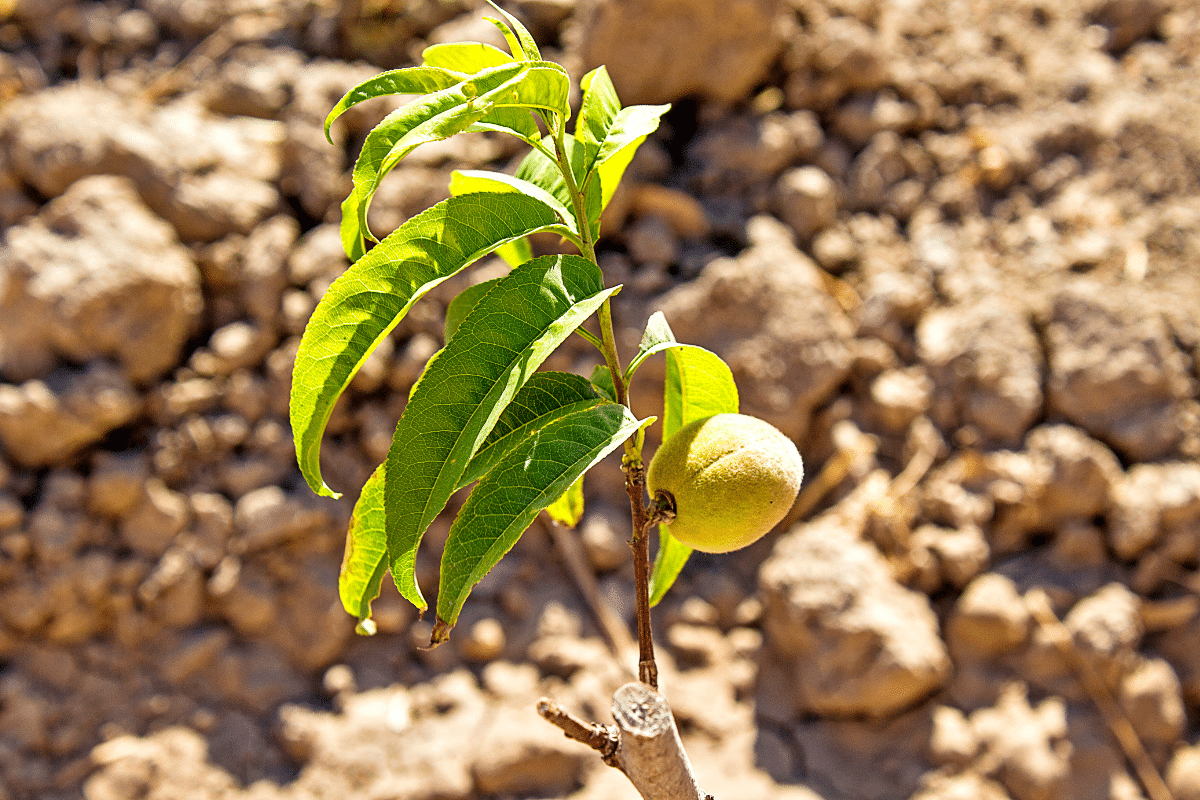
{"type": "Point", "coordinates": [597, 114]}
{"type": "Point", "coordinates": [545, 397]}
{"type": "Point", "coordinates": [468, 181]}
{"type": "Point", "coordinates": [365, 304]}
{"type": "Point", "coordinates": [508, 333]}
{"type": "Point", "coordinates": [439, 116]}
{"type": "Point", "coordinates": [528, 479]}
{"type": "Point", "coordinates": [630, 129]}
{"type": "Point", "coordinates": [410, 80]}
{"type": "Point", "coordinates": [365, 561]}
{"type": "Point", "coordinates": [524, 44]}
{"type": "Point", "coordinates": [465, 57]}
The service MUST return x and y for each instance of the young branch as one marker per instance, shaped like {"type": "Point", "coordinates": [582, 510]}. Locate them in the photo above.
{"type": "Point", "coordinates": [635, 487]}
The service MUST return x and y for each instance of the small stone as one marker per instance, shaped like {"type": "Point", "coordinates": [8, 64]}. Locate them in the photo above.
{"type": "Point", "coordinates": [989, 618]}
{"type": "Point", "coordinates": [1153, 700]}
{"type": "Point", "coordinates": [806, 199]}
{"type": "Point", "coordinates": [152, 526]}
{"type": "Point", "coordinates": [484, 641]}
{"type": "Point", "coordinates": [953, 740]}
{"type": "Point", "coordinates": [116, 482]}
{"type": "Point", "coordinates": [46, 422]}
{"type": "Point", "coordinates": [1183, 773]}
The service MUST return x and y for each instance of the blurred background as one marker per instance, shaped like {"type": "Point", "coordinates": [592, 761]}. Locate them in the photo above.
{"type": "Point", "coordinates": [951, 247]}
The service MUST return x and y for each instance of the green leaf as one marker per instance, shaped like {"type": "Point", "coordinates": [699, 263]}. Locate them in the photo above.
{"type": "Point", "coordinates": [516, 252]}
{"type": "Point", "coordinates": [465, 57]}
{"type": "Point", "coordinates": [529, 478]}
{"type": "Point", "coordinates": [365, 561]}
{"type": "Point", "coordinates": [410, 80]}
{"type": "Point", "coordinates": [469, 181]}
{"type": "Point", "coordinates": [668, 563]}
{"type": "Point", "coordinates": [629, 130]}
{"type": "Point", "coordinates": [463, 302]}
{"type": "Point", "coordinates": [602, 380]}
{"type": "Point", "coordinates": [508, 333]}
{"type": "Point", "coordinates": [657, 337]}
{"type": "Point", "coordinates": [698, 385]}
{"type": "Point", "coordinates": [541, 171]}
{"type": "Point", "coordinates": [568, 509]}
{"type": "Point", "coordinates": [524, 42]}
{"type": "Point", "coordinates": [517, 122]}
{"type": "Point", "coordinates": [365, 303]}
{"type": "Point", "coordinates": [439, 116]}
{"type": "Point", "coordinates": [544, 398]}
{"type": "Point", "coordinates": [597, 114]}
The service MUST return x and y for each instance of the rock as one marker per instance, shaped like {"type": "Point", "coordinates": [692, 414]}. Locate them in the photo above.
{"type": "Point", "coordinates": [985, 361]}
{"type": "Point", "coordinates": [767, 314]}
{"type": "Point", "coordinates": [95, 274]}
{"type": "Point", "coordinates": [45, 422]}
{"type": "Point", "coordinates": [483, 641]}
{"type": "Point", "coordinates": [746, 152]}
{"type": "Point", "coordinates": [519, 754]}
{"type": "Point", "coordinates": [898, 396]}
{"type": "Point", "coordinates": [151, 527]}
{"type": "Point", "coordinates": [1151, 501]}
{"type": "Point", "coordinates": [267, 517]}
{"type": "Point", "coordinates": [1063, 476]}
{"type": "Point", "coordinates": [1153, 700]}
{"type": "Point", "coordinates": [806, 200]}
{"type": "Point", "coordinates": [841, 55]}
{"type": "Point", "coordinates": [965, 786]}
{"type": "Point", "coordinates": [1129, 20]}
{"type": "Point", "coordinates": [205, 175]}
{"type": "Point", "coordinates": [115, 483]}
{"type": "Point", "coordinates": [730, 48]}
{"type": "Point", "coordinates": [254, 81]}
{"type": "Point", "coordinates": [989, 618]}
{"type": "Point", "coordinates": [313, 170]}
{"type": "Point", "coordinates": [1115, 371]}
{"type": "Point", "coordinates": [1027, 744]}
{"type": "Point", "coordinates": [952, 741]}
{"type": "Point", "coordinates": [851, 641]}
{"type": "Point", "coordinates": [1183, 774]}
{"type": "Point", "coordinates": [1107, 626]}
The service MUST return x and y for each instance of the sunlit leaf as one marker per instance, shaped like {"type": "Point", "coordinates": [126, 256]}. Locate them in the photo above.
{"type": "Point", "coordinates": [529, 478]}
{"type": "Point", "coordinates": [505, 336]}
{"type": "Point", "coordinates": [365, 303]}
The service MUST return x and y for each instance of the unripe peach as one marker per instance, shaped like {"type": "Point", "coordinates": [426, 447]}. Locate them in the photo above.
{"type": "Point", "coordinates": [730, 477]}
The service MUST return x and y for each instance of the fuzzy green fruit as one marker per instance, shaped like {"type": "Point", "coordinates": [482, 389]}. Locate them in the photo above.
{"type": "Point", "coordinates": [731, 478]}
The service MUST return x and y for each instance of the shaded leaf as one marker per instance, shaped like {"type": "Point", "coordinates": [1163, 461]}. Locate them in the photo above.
{"type": "Point", "coordinates": [366, 302]}
{"type": "Point", "coordinates": [545, 397]}
{"type": "Point", "coordinates": [505, 336]}
{"type": "Point", "coordinates": [463, 302]}
{"type": "Point", "coordinates": [656, 338]}
{"type": "Point", "coordinates": [602, 380]}
{"type": "Point", "coordinates": [529, 478]}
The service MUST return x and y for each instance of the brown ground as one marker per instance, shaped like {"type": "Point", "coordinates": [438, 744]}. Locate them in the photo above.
{"type": "Point", "coordinates": [952, 248]}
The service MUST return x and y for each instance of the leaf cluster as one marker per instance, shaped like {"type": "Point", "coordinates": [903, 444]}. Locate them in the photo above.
{"type": "Point", "coordinates": [481, 413]}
